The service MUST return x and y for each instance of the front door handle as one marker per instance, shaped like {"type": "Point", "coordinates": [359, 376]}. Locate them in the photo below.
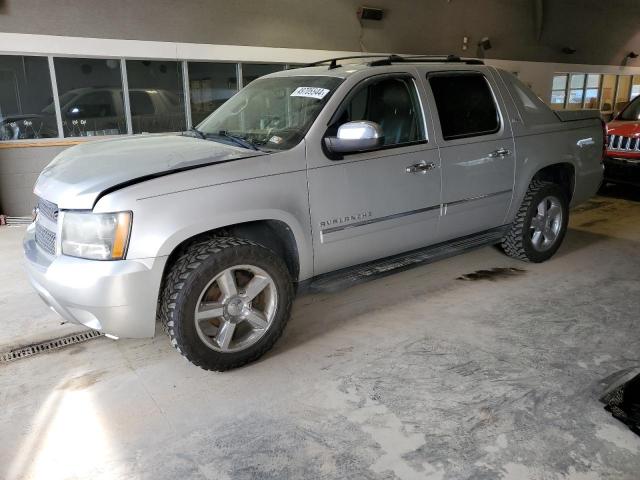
{"type": "Point", "coordinates": [422, 167]}
{"type": "Point", "coordinates": [500, 153]}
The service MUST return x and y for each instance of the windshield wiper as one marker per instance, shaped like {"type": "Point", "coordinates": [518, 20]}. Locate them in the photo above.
{"type": "Point", "coordinates": [237, 139]}
{"type": "Point", "coordinates": [198, 133]}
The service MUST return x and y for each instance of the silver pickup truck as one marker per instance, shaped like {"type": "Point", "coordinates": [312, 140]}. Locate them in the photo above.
{"type": "Point", "coordinates": [343, 169]}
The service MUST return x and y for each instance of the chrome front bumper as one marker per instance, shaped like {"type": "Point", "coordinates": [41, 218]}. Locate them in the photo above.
{"type": "Point", "coordinates": [118, 298]}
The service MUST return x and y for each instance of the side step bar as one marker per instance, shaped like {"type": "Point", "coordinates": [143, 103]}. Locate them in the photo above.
{"type": "Point", "coordinates": [341, 279]}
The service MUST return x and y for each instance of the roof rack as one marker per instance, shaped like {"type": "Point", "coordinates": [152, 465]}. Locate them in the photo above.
{"type": "Point", "coordinates": [333, 62]}
{"type": "Point", "coordinates": [393, 58]}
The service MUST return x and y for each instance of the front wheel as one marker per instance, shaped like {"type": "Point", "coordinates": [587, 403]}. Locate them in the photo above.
{"type": "Point", "coordinates": [540, 224]}
{"type": "Point", "coordinates": [225, 302]}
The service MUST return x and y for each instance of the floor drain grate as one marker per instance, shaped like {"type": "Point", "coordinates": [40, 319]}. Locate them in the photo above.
{"type": "Point", "coordinates": [48, 346]}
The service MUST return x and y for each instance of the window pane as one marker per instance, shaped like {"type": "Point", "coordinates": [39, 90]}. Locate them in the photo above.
{"type": "Point", "coordinates": [90, 93]}
{"type": "Point", "coordinates": [465, 105]}
{"type": "Point", "coordinates": [393, 104]}
{"type": "Point", "coordinates": [559, 82]}
{"type": "Point", "coordinates": [632, 112]}
{"type": "Point", "coordinates": [156, 96]}
{"type": "Point", "coordinates": [623, 93]}
{"type": "Point", "coordinates": [575, 99]}
{"type": "Point", "coordinates": [26, 101]}
{"type": "Point", "coordinates": [608, 87]}
{"type": "Point", "coordinates": [251, 71]}
{"type": "Point", "coordinates": [557, 98]}
{"type": "Point", "coordinates": [577, 80]}
{"type": "Point", "coordinates": [591, 98]}
{"type": "Point", "coordinates": [593, 81]}
{"type": "Point", "coordinates": [210, 85]}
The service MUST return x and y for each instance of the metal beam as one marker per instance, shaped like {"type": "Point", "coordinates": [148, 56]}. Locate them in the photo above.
{"type": "Point", "coordinates": [538, 13]}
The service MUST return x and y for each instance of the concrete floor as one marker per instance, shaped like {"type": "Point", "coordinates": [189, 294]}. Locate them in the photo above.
{"type": "Point", "coordinates": [418, 375]}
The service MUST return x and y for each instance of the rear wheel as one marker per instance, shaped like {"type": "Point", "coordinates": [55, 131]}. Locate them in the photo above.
{"type": "Point", "coordinates": [226, 302]}
{"type": "Point", "coordinates": [540, 224]}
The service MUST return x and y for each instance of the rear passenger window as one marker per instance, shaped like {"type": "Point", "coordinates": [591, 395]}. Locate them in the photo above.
{"type": "Point", "coordinates": [465, 105]}
{"type": "Point", "coordinates": [392, 103]}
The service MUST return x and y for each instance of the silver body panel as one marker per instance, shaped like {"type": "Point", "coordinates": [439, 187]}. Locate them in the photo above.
{"type": "Point", "coordinates": [340, 212]}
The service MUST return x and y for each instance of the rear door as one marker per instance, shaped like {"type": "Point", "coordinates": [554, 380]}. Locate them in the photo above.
{"type": "Point", "coordinates": [477, 151]}
{"type": "Point", "coordinates": [374, 204]}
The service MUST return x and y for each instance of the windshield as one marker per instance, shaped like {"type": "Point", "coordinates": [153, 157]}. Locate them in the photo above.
{"type": "Point", "coordinates": [632, 112]}
{"type": "Point", "coordinates": [271, 113]}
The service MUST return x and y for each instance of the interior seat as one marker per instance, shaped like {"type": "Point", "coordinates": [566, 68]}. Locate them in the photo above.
{"type": "Point", "coordinates": [393, 111]}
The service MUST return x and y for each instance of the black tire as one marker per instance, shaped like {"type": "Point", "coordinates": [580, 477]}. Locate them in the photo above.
{"type": "Point", "coordinates": [517, 242]}
{"type": "Point", "coordinates": [191, 273]}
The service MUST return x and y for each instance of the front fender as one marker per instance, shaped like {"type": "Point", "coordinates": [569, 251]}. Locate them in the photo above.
{"type": "Point", "coordinates": [161, 223]}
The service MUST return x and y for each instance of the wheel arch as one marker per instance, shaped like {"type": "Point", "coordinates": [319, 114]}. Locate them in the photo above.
{"type": "Point", "coordinates": [562, 174]}
{"type": "Point", "coordinates": [275, 234]}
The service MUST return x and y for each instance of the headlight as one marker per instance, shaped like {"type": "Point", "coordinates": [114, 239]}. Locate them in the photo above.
{"type": "Point", "coordinates": [96, 236]}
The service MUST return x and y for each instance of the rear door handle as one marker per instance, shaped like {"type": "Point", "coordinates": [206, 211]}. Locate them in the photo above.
{"type": "Point", "coordinates": [584, 142]}
{"type": "Point", "coordinates": [500, 153]}
{"type": "Point", "coordinates": [422, 167]}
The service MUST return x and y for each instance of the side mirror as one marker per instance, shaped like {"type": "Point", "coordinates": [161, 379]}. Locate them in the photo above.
{"type": "Point", "coordinates": [358, 136]}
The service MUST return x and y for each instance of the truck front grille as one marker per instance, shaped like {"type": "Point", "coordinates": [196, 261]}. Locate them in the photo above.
{"type": "Point", "coordinates": [46, 239]}
{"type": "Point", "coordinates": [47, 226]}
{"type": "Point", "coordinates": [621, 143]}
{"type": "Point", "coordinates": [48, 209]}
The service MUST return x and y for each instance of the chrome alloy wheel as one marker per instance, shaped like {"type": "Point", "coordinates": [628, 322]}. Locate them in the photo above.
{"type": "Point", "coordinates": [546, 224]}
{"type": "Point", "coordinates": [236, 308]}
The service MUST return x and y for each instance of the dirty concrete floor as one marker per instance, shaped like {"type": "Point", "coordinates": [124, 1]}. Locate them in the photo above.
{"type": "Point", "coordinates": [418, 375]}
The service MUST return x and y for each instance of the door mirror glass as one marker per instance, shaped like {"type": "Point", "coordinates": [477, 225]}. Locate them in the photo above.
{"type": "Point", "coordinates": [358, 136]}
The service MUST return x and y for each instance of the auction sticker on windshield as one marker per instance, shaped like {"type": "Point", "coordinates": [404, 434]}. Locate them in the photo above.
{"type": "Point", "coordinates": [311, 92]}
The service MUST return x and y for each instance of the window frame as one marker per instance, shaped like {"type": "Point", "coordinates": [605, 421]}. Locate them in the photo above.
{"type": "Point", "coordinates": [352, 93]}
{"type": "Point", "coordinates": [563, 104]}
{"type": "Point", "coordinates": [571, 89]}
{"type": "Point", "coordinates": [59, 105]}
{"type": "Point", "coordinates": [187, 83]}
{"type": "Point", "coordinates": [57, 117]}
{"type": "Point", "coordinates": [183, 65]}
{"type": "Point", "coordinates": [499, 115]}
{"type": "Point", "coordinates": [587, 88]}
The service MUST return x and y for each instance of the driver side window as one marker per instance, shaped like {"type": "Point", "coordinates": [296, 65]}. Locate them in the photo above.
{"type": "Point", "coordinates": [393, 104]}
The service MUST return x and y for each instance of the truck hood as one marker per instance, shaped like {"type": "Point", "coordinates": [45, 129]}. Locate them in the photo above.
{"type": "Point", "coordinates": [628, 128]}
{"type": "Point", "coordinates": [77, 177]}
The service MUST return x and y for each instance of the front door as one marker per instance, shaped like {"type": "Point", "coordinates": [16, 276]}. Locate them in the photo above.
{"type": "Point", "coordinates": [477, 152]}
{"type": "Point", "coordinates": [375, 204]}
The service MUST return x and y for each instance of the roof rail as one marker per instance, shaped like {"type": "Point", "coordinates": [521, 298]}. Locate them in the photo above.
{"type": "Point", "coordinates": [393, 58]}
{"type": "Point", "coordinates": [426, 59]}
{"type": "Point", "coordinates": [333, 62]}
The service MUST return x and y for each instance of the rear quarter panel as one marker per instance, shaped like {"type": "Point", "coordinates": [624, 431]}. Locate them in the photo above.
{"type": "Point", "coordinates": [546, 145]}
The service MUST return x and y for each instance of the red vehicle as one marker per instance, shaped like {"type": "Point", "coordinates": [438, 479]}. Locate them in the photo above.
{"type": "Point", "coordinates": [622, 160]}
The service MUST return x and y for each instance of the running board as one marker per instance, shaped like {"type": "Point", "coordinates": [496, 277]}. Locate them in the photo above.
{"type": "Point", "coordinates": [341, 279]}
